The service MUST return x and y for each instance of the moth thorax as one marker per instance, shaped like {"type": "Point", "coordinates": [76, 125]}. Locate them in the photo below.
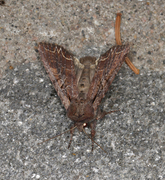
{"type": "Point", "coordinates": [84, 82]}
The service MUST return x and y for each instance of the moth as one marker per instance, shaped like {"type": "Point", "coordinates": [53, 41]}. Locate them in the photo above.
{"type": "Point", "coordinates": [81, 84]}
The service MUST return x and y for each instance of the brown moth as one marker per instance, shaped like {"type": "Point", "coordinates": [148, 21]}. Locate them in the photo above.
{"type": "Point", "coordinates": [81, 84]}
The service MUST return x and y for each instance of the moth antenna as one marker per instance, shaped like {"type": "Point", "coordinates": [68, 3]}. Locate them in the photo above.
{"type": "Point", "coordinates": [93, 140]}
{"type": "Point", "coordinates": [57, 135]}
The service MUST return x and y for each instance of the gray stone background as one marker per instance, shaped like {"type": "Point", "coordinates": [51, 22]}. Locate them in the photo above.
{"type": "Point", "coordinates": [31, 111]}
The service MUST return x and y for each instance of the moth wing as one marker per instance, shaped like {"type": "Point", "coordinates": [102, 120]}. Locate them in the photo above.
{"type": "Point", "coordinates": [107, 67]}
{"type": "Point", "coordinates": [59, 64]}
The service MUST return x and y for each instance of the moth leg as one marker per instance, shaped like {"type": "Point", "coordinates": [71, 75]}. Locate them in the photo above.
{"type": "Point", "coordinates": [93, 132]}
{"type": "Point", "coordinates": [101, 114]}
{"type": "Point", "coordinates": [71, 136]}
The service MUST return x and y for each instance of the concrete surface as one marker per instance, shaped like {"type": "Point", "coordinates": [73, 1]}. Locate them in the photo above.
{"type": "Point", "coordinates": [31, 111]}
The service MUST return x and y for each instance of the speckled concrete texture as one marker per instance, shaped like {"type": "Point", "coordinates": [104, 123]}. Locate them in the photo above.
{"type": "Point", "coordinates": [31, 111]}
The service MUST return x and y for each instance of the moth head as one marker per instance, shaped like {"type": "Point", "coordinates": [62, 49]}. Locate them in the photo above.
{"type": "Point", "coordinates": [80, 111]}
{"type": "Point", "coordinates": [80, 125]}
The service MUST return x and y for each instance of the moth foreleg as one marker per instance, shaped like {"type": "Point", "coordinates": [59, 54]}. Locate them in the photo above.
{"type": "Point", "coordinates": [101, 114]}
{"type": "Point", "coordinates": [71, 136]}
{"type": "Point", "coordinates": [93, 132]}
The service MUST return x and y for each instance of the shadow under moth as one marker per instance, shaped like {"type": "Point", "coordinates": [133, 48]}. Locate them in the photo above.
{"type": "Point", "coordinates": [81, 84]}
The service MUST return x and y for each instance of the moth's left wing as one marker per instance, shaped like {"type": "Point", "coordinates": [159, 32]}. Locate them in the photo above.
{"type": "Point", "coordinates": [59, 64]}
{"type": "Point", "coordinates": [107, 67]}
